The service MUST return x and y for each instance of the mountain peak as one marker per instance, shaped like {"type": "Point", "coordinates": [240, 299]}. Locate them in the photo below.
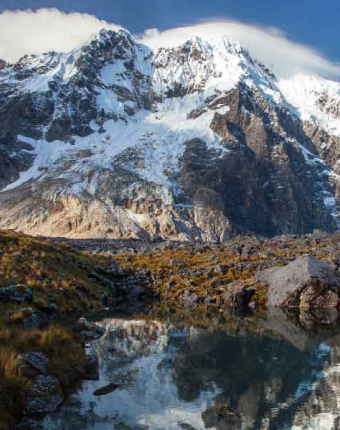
{"type": "Point", "coordinates": [105, 36]}
{"type": "Point", "coordinates": [189, 142]}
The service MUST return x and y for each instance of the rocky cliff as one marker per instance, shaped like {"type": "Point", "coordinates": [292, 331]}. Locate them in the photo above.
{"type": "Point", "coordinates": [194, 142]}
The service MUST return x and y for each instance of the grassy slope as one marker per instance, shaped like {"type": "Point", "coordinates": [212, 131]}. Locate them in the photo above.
{"type": "Point", "coordinates": [54, 274]}
{"type": "Point", "coordinates": [160, 264]}
{"type": "Point", "coordinates": [241, 268]}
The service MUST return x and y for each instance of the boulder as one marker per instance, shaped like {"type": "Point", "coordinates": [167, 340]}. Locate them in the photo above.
{"type": "Point", "coordinates": [34, 363]}
{"type": "Point", "coordinates": [304, 283]}
{"type": "Point", "coordinates": [44, 396]}
{"type": "Point", "coordinates": [88, 330]}
{"type": "Point", "coordinates": [16, 293]}
{"type": "Point", "coordinates": [34, 318]}
{"type": "Point", "coordinates": [238, 296]}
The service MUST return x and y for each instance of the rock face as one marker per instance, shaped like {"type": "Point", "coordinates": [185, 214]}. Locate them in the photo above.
{"type": "Point", "coordinates": [305, 283]}
{"type": "Point", "coordinates": [196, 142]}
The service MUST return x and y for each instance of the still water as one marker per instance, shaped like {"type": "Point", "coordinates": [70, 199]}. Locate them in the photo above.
{"type": "Point", "coordinates": [227, 374]}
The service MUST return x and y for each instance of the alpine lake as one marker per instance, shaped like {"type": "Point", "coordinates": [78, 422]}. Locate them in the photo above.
{"type": "Point", "coordinates": [207, 369]}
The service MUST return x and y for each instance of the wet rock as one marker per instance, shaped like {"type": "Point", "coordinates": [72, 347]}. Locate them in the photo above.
{"type": "Point", "coordinates": [106, 390]}
{"type": "Point", "coordinates": [34, 363]}
{"type": "Point", "coordinates": [44, 396]}
{"type": "Point", "coordinates": [92, 367]}
{"type": "Point", "coordinates": [16, 293]}
{"type": "Point", "coordinates": [304, 283]}
{"type": "Point", "coordinates": [88, 330]}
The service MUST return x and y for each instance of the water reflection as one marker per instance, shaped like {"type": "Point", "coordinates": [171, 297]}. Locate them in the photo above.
{"type": "Point", "coordinates": [181, 376]}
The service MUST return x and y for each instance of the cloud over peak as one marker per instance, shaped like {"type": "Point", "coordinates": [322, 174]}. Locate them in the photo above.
{"type": "Point", "coordinates": [34, 32]}
{"type": "Point", "coordinates": [27, 31]}
{"type": "Point", "coordinates": [268, 45]}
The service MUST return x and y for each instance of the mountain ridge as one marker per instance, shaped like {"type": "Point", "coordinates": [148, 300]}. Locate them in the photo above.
{"type": "Point", "coordinates": [197, 142]}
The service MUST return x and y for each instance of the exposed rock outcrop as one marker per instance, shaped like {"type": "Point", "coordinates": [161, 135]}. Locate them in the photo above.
{"type": "Point", "coordinates": [303, 284]}
{"type": "Point", "coordinates": [195, 142]}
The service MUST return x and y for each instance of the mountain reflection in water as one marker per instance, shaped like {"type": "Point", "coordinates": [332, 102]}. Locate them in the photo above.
{"type": "Point", "coordinates": [181, 376]}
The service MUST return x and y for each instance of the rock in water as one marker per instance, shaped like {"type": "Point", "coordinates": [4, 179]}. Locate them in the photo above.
{"type": "Point", "coordinates": [305, 283]}
{"type": "Point", "coordinates": [106, 390]}
{"type": "Point", "coordinates": [88, 330]}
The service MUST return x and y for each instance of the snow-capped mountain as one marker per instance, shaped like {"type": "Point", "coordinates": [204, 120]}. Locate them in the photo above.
{"type": "Point", "coordinates": [195, 142]}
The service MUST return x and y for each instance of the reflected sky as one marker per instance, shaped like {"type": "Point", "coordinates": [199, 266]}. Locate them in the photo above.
{"type": "Point", "coordinates": [178, 376]}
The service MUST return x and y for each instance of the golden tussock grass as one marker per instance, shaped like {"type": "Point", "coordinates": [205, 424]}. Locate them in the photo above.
{"type": "Point", "coordinates": [67, 359]}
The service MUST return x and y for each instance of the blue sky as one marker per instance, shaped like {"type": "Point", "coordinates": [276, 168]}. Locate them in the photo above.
{"type": "Point", "coordinates": [311, 22]}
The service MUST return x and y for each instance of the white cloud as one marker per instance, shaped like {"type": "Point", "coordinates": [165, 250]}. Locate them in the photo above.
{"type": "Point", "coordinates": [27, 31]}
{"type": "Point", "coordinates": [266, 44]}
{"type": "Point", "coordinates": [34, 32]}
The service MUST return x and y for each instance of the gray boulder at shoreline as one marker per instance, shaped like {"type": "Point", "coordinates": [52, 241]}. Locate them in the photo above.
{"type": "Point", "coordinates": [304, 283]}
